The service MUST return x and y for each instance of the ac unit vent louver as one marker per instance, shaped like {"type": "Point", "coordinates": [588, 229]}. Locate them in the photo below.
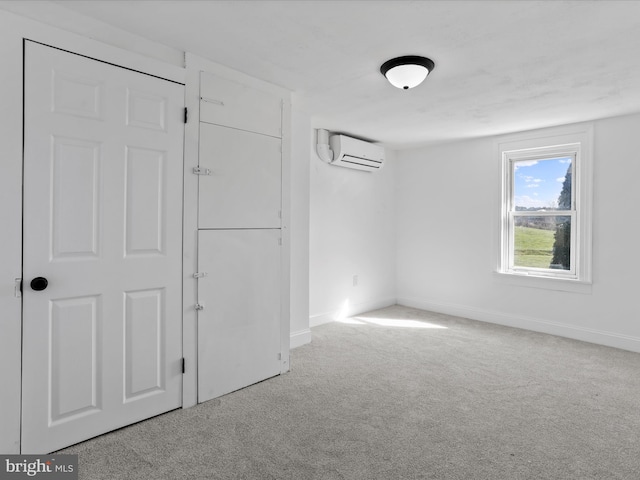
{"type": "Point", "coordinates": [359, 162]}
{"type": "Point", "coordinates": [344, 151]}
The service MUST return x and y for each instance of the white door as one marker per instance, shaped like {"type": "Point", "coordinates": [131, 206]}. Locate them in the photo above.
{"type": "Point", "coordinates": [239, 326]}
{"type": "Point", "coordinates": [233, 104]}
{"type": "Point", "coordinates": [244, 188]}
{"type": "Point", "coordinates": [102, 224]}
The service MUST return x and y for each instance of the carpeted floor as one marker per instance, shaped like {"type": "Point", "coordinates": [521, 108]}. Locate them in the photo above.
{"type": "Point", "coordinates": [401, 393]}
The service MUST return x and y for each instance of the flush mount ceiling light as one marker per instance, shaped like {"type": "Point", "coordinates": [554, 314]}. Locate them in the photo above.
{"type": "Point", "coordinates": [407, 72]}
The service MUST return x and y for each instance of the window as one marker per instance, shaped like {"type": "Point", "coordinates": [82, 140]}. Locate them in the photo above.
{"type": "Point", "coordinates": [546, 207]}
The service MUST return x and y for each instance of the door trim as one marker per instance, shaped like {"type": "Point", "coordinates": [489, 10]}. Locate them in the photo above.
{"type": "Point", "coordinates": [148, 57]}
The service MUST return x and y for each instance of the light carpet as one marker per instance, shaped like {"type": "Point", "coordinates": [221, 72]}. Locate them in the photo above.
{"type": "Point", "coordinates": [401, 393]}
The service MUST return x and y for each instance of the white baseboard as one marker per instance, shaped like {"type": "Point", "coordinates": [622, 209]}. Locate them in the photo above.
{"type": "Point", "coordinates": [610, 339]}
{"type": "Point", "coordinates": [297, 339]}
{"type": "Point", "coordinates": [322, 318]}
{"type": "Point", "coordinates": [350, 311]}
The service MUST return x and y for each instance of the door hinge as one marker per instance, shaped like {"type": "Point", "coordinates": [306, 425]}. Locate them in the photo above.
{"type": "Point", "coordinates": [200, 274]}
{"type": "Point", "coordinates": [17, 289]}
{"type": "Point", "coordinates": [185, 114]}
{"type": "Point", "coordinates": [199, 306]}
{"type": "Point", "coordinates": [201, 171]}
{"type": "Point", "coordinates": [183, 365]}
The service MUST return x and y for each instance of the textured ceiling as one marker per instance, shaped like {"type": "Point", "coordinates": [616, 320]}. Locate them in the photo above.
{"type": "Point", "coordinates": [501, 66]}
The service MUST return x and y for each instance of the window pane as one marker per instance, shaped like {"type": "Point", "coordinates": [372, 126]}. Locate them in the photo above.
{"type": "Point", "coordinates": [542, 242]}
{"type": "Point", "coordinates": [542, 185]}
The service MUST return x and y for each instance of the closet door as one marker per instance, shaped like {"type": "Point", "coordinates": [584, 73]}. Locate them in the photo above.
{"type": "Point", "coordinates": [235, 105]}
{"type": "Point", "coordinates": [243, 189]}
{"type": "Point", "coordinates": [239, 323]}
{"type": "Point", "coordinates": [239, 241]}
{"type": "Point", "coordinates": [102, 267]}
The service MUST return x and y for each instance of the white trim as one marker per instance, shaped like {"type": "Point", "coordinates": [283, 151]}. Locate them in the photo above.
{"type": "Point", "coordinates": [322, 318]}
{"type": "Point", "coordinates": [285, 232]}
{"type": "Point", "coordinates": [349, 311]}
{"type": "Point", "coordinates": [11, 233]}
{"type": "Point", "coordinates": [190, 241]}
{"type": "Point", "coordinates": [13, 29]}
{"type": "Point", "coordinates": [299, 232]}
{"type": "Point", "coordinates": [297, 339]}
{"type": "Point", "coordinates": [547, 283]}
{"type": "Point", "coordinates": [600, 337]}
{"type": "Point", "coordinates": [548, 142]}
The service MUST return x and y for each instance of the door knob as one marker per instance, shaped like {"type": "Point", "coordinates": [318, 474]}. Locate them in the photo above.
{"type": "Point", "coordinates": [39, 283]}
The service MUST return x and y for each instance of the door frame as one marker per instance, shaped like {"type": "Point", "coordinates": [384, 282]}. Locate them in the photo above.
{"type": "Point", "coordinates": [14, 30]}
{"type": "Point", "coordinates": [194, 65]}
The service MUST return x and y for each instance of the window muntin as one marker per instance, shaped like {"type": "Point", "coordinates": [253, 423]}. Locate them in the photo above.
{"type": "Point", "coordinates": [541, 231]}
{"type": "Point", "coordinates": [542, 212]}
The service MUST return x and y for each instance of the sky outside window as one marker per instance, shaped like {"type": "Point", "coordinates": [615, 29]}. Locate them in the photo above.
{"type": "Point", "coordinates": [538, 183]}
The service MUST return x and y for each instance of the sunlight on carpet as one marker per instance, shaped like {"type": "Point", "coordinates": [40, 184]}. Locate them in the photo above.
{"type": "Point", "coordinates": [389, 322]}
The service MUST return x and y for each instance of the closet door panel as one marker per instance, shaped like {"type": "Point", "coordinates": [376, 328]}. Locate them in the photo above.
{"type": "Point", "coordinates": [243, 189]}
{"type": "Point", "coordinates": [236, 105]}
{"type": "Point", "coordinates": [239, 324]}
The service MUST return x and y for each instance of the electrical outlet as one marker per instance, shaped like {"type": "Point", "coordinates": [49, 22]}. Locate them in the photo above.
{"type": "Point", "coordinates": [355, 280]}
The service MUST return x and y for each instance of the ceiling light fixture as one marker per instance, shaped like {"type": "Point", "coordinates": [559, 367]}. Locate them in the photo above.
{"type": "Point", "coordinates": [407, 72]}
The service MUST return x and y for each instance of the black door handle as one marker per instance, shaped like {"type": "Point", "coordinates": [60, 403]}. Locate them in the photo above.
{"type": "Point", "coordinates": [39, 283]}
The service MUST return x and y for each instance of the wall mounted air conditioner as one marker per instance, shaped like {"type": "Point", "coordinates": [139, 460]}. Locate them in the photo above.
{"type": "Point", "coordinates": [344, 151]}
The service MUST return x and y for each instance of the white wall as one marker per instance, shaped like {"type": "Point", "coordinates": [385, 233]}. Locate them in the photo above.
{"type": "Point", "coordinates": [351, 233]}
{"type": "Point", "coordinates": [57, 16]}
{"type": "Point", "coordinates": [10, 233]}
{"type": "Point", "coordinates": [447, 214]}
{"type": "Point", "coordinates": [300, 153]}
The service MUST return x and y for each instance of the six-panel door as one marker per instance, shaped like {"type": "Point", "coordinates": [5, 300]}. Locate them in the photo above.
{"type": "Point", "coordinates": [102, 223]}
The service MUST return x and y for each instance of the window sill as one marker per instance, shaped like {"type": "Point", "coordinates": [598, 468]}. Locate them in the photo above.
{"type": "Point", "coordinates": [547, 283]}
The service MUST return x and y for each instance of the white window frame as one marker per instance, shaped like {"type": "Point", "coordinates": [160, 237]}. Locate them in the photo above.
{"type": "Point", "coordinates": [550, 143]}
